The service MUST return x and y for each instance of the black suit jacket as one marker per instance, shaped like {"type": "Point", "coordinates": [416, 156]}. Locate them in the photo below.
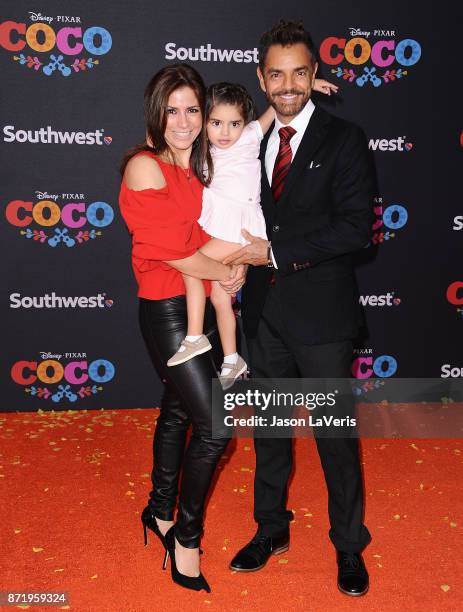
{"type": "Point", "coordinates": [324, 215]}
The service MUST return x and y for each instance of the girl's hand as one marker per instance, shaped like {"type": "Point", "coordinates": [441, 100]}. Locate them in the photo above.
{"type": "Point", "coordinates": [236, 280]}
{"type": "Point", "coordinates": [325, 87]}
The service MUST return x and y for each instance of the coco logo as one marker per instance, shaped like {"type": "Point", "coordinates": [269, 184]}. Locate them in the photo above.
{"type": "Point", "coordinates": [79, 378]}
{"type": "Point", "coordinates": [389, 219]}
{"type": "Point", "coordinates": [365, 365]}
{"type": "Point", "coordinates": [454, 295]}
{"type": "Point", "coordinates": [370, 57]}
{"type": "Point", "coordinates": [72, 222]}
{"type": "Point", "coordinates": [73, 47]}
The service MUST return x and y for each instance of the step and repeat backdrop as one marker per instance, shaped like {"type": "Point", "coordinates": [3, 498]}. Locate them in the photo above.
{"type": "Point", "coordinates": [72, 77]}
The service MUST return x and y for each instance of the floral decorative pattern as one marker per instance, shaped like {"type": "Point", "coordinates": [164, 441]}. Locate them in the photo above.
{"type": "Point", "coordinates": [56, 63]}
{"type": "Point", "coordinates": [369, 75]}
{"type": "Point", "coordinates": [63, 392]}
{"type": "Point", "coordinates": [61, 235]}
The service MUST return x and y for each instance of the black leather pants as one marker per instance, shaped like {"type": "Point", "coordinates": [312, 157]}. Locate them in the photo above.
{"type": "Point", "coordinates": [187, 400]}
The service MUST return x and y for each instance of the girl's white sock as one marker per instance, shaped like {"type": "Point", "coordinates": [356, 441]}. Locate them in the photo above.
{"type": "Point", "coordinates": [231, 359]}
{"type": "Point", "coordinates": [190, 339]}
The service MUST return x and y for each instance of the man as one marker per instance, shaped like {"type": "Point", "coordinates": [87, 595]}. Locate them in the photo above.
{"type": "Point", "coordinates": [301, 316]}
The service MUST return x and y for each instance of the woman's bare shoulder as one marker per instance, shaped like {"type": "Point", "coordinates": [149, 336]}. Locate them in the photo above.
{"type": "Point", "coordinates": [143, 172]}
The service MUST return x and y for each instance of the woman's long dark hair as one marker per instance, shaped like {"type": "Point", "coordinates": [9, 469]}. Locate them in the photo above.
{"type": "Point", "coordinates": [157, 93]}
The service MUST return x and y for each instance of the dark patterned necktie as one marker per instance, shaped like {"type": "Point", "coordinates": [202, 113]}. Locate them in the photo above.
{"type": "Point", "coordinates": [282, 162]}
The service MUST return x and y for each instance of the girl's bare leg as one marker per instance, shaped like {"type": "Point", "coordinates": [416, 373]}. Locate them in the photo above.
{"type": "Point", "coordinates": [195, 303]}
{"type": "Point", "coordinates": [226, 322]}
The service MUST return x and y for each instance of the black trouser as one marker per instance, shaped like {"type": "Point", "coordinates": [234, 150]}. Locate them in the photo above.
{"type": "Point", "coordinates": [186, 400]}
{"type": "Point", "coordinates": [274, 354]}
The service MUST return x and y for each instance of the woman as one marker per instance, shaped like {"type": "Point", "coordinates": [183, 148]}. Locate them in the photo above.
{"type": "Point", "coordinates": [160, 200]}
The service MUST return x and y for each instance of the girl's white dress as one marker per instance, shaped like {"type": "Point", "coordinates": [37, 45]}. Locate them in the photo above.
{"type": "Point", "coordinates": [232, 200]}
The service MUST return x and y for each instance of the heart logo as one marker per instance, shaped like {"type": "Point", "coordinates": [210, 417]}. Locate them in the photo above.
{"type": "Point", "coordinates": [109, 303]}
{"type": "Point", "coordinates": [408, 146]}
{"type": "Point", "coordinates": [108, 140]}
{"type": "Point", "coordinates": [396, 301]}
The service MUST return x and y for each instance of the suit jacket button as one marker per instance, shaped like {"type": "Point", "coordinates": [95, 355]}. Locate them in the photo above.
{"type": "Point", "coordinates": [275, 228]}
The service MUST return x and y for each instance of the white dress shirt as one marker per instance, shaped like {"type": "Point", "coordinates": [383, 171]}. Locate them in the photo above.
{"type": "Point", "coordinates": [299, 123]}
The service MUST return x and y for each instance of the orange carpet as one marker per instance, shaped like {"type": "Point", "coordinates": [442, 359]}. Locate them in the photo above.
{"type": "Point", "coordinates": [73, 485]}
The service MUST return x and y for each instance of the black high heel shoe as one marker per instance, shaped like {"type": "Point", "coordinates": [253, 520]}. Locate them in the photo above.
{"type": "Point", "coordinates": [149, 522]}
{"type": "Point", "coordinates": [189, 582]}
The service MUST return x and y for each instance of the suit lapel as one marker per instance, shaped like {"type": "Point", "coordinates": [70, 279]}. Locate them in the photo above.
{"type": "Point", "coordinates": [311, 141]}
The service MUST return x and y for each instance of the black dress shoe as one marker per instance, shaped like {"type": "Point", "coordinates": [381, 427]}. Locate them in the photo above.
{"type": "Point", "coordinates": [352, 574]}
{"type": "Point", "coordinates": [256, 554]}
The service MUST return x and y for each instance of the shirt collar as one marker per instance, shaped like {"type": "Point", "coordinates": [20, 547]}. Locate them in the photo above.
{"type": "Point", "coordinates": [300, 121]}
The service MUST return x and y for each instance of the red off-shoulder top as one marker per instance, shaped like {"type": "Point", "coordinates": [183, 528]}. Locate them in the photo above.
{"type": "Point", "coordinates": [164, 226]}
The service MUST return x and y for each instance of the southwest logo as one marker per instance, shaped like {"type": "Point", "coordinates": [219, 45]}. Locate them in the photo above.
{"type": "Point", "coordinates": [386, 299]}
{"type": "Point", "coordinates": [453, 372]}
{"type": "Point", "coordinates": [46, 47]}
{"type": "Point", "coordinates": [366, 57]}
{"type": "Point", "coordinates": [56, 301]}
{"type": "Point", "coordinates": [207, 53]}
{"type": "Point", "coordinates": [47, 135]}
{"type": "Point", "coordinates": [394, 144]}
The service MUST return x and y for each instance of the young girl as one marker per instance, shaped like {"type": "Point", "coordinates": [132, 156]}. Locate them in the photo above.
{"type": "Point", "coordinates": [231, 203]}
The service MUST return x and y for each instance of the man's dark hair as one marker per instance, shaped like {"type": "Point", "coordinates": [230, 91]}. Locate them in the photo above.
{"type": "Point", "coordinates": [233, 94]}
{"type": "Point", "coordinates": [286, 33]}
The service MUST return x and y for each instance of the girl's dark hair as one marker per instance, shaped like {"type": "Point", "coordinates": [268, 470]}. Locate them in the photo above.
{"type": "Point", "coordinates": [230, 93]}
{"type": "Point", "coordinates": [286, 33]}
{"type": "Point", "coordinates": [157, 93]}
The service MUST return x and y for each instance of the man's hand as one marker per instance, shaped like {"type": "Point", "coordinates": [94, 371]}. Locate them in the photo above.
{"type": "Point", "coordinates": [254, 253]}
{"type": "Point", "coordinates": [236, 281]}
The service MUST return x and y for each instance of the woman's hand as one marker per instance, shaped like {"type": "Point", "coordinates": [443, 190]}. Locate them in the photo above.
{"type": "Point", "coordinates": [325, 87]}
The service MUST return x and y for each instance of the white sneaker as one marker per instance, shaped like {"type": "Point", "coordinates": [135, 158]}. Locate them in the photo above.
{"type": "Point", "coordinates": [234, 371]}
{"type": "Point", "coordinates": [197, 347]}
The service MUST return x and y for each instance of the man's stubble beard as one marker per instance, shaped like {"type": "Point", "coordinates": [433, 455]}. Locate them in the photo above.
{"type": "Point", "coordinates": [288, 110]}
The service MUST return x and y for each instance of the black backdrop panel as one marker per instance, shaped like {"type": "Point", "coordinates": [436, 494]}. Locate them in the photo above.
{"type": "Point", "coordinates": [73, 76]}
